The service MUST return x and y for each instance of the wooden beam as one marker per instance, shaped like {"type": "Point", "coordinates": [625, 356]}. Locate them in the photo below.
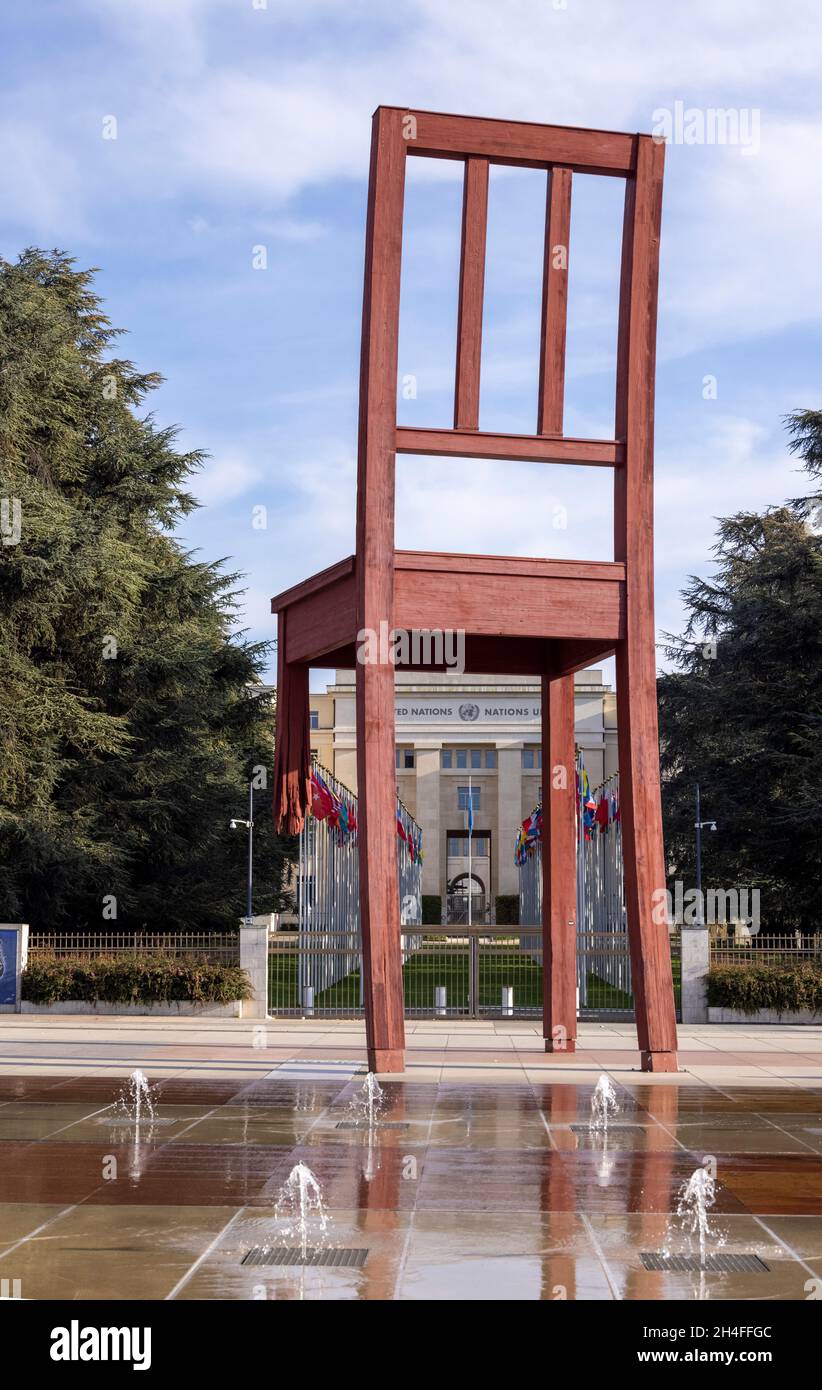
{"type": "Point", "coordinates": [322, 580]}
{"type": "Point", "coordinates": [472, 285]}
{"type": "Point", "coordinates": [525, 448]}
{"type": "Point", "coordinates": [504, 656]}
{"type": "Point", "coordinates": [533, 567]}
{"type": "Point", "coordinates": [510, 605]}
{"type": "Point", "coordinates": [570, 656]}
{"type": "Point", "coordinates": [637, 730]}
{"type": "Point", "coordinates": [554, 302]}
{"type": "Point", "coordinates": [437, 135]}
{"type": "Point", "coordinates": [323, 621]}
{"type": "Point", "coordinates": [559, 867]}
{"type": "Point", "coordinates": [376, 775]}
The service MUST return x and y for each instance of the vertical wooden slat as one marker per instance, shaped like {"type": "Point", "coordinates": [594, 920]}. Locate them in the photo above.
{"type": "Point", "coordinates": [554, 302]}
{"type": "Point", "coordinates": [638, 738]}
{"type": "Point", "coordinates": [376, 773]}
{"type": "Point", "coordinates": [472, 287]}
{"type": "Point", "coordinates": [559, 866]}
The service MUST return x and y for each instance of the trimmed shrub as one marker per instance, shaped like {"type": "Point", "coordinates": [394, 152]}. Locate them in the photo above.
{"type": "Point", "coordinates": [791, 986]}
{"type": "Point", "coordinates": [132, 979]}
{"type": "Point", "coordinates": [507, 909]}
{"type": "Point", "coordinates": [431, 909]}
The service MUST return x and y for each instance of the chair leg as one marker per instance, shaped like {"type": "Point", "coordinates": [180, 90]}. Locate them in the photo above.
{"type": "Point", "coordinates": [379, 887]}
{"type": "Point", "coordinates": [641, 814]}
{"type": "Point", "coordinates": [559, 867]}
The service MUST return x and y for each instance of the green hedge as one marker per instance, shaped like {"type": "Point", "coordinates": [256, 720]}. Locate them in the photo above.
{"type": "Point", "coordinates": [132, 979]}
{"type": "Point", "coordinates": [431, 909]}
{"type": "Point", "coordinates": [749, 987]}
{"type": "Point", "coordinates": [507, 909]}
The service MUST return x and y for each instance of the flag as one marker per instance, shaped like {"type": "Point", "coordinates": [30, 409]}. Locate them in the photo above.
{"type": "Point", "coordinates": [470, 815]}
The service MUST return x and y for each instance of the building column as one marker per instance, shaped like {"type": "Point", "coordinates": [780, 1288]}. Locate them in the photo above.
{"type": "Point", "coordinates": [427, 768]}
{"type": "Point", "coordinates": [509, 814]}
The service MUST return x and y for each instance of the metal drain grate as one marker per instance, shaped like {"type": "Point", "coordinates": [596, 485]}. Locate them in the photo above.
{"type": "Point", "coordinates": [612, 1129]}
{"type": "Point", "coordinates": [364, 1126]}
{"type": "Point", "coordinates": [345, 1258]}
{"type": "Point", "coordinates": [711, 1264]}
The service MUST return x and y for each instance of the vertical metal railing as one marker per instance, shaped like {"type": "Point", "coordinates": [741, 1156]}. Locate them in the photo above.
{"type": "Point", "coordinates": [603, 957]}
{"type": "Point", "coordinates": [318, 969]}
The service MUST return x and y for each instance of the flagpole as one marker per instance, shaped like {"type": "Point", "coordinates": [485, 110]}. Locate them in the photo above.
{"type": "Point", "coordinates": [470, 829]}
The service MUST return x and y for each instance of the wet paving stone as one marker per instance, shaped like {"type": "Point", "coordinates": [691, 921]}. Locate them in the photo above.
{"type": "Point", "coordinates": [466, 1191]}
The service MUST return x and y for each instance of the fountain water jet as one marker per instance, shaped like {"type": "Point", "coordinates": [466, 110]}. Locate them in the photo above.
{"type": "Point", "coordinates": [300, 1201]}
{"type": "Point", "coordinates": [603, 1103]}
{"type": "Point", "coordinates": [135, 1097]}
{"type": "Point", "coordinates": [367, 1104]}
{"type": "Point", "coordinates": [696, 1197]}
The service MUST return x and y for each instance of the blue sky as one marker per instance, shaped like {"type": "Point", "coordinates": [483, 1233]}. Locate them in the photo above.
{"type": "Point", "coordinates": [243, 124]}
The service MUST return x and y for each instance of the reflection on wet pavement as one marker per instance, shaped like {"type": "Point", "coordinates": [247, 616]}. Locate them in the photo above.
{"type": "Point", "coordinates": [472, 1191]}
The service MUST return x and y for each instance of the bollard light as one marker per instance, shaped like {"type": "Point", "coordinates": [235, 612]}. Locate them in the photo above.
{"type": "Point", "coordinates": [440, 1000]}
{"type": "Point", "coordinates": [507, 1001]}
{"type": "Point", "coordinates": [308, 1001]}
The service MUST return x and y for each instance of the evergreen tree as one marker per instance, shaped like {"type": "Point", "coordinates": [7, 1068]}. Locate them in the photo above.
{"type": "Point", "coordinates": [742, 713]}
{"type": "Point", "coordinates": [128, 722]}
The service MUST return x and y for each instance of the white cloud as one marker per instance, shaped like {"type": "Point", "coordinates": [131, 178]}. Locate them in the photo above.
{"type": "Point", "coordinates": [42, 183]}
{"type": "Point", "coordinates": [225, 478]}
{"type": "Point", "coordinates": [266, 104]}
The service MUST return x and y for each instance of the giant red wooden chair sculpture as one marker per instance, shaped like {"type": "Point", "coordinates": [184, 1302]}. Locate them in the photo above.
{"type": "Point", "coordinates": [536, 617]}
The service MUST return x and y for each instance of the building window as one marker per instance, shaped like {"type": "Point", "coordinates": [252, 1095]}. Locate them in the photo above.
{"type": "Point", "coordinates": [490, 757]}
{"type": "Point", "coordinates": [476, 757]}
{"type": "Point", "coordinates": [458, 846]}
{"type": "Point", "coordinates": [445, 757]}
{"type": "Point", "coordinates": [462, 798]}
{"type": "Point", "coordinates": [404, 758]}
{"type": "Point", "coordinates": [532, 758]}
{"type": "Point", "coordinates": [314, 716]}
{"type": "Point", "coordinates": [462, 757]}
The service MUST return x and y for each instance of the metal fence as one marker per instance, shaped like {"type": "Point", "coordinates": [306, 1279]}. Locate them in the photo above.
{"type": "Point", "coordinates": [481, 972]}
{"type": "Point", "coordinates": [737, 948]}
{"type": "Point", "coordinates": [210, 946]}
{"type": "Point", "coordinates": [454, 971]}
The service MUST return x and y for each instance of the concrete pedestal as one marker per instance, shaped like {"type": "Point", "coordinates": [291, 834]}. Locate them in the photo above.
{"type": "Point", "coordinates": [696, 959]}
{"type": "Point", "coordinates": [254, 960]}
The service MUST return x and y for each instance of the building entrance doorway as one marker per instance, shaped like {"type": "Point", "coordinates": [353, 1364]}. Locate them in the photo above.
{"type": "Point", "coordinates": [468, 874]}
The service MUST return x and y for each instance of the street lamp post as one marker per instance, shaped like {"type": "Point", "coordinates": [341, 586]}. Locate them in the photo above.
{"type": "Point", "coordinates": [249, 824]}
{"type": "Point", "coordinates": [699, 825]}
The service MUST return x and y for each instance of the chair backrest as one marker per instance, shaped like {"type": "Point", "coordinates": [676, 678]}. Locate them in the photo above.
{"type": "Point", "coordinates": [561, 151]}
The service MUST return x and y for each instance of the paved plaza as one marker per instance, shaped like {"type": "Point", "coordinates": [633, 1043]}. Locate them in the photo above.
{"type": "Point", "coordinates": [482, 1179]}
{"type": "Point", "coordinates": [438, 1050]}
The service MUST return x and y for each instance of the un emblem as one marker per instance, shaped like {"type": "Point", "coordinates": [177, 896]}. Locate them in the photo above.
{"type": "Point", "coordinates": [469, 713]}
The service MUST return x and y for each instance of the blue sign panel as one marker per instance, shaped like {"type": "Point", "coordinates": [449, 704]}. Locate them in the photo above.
{"type": "Point", "coordinates": [8, 967]}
